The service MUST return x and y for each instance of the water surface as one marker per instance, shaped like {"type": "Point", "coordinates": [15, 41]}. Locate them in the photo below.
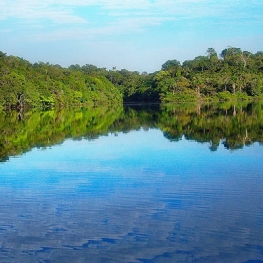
{"type": "Point", "coordinates": [138, 195]}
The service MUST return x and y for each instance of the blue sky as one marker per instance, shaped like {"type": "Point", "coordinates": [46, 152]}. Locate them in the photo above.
{"type": "Point", "coordinates": [132, 34]}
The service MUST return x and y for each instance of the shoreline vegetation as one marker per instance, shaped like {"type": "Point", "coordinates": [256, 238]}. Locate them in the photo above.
{"type": "Point", "coordinates": [233, 75]}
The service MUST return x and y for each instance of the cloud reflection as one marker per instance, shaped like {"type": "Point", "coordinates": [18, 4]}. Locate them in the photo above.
{"type": "Point", "coordinates": [175, 210]}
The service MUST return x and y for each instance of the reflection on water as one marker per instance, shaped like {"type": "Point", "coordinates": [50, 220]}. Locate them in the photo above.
{"type": "Point", "coordinates": [233, 125]}
{"type": "Point", "coordinates": [141, 194]}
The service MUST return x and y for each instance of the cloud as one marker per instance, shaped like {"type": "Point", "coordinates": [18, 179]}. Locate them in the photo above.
{"type": "Point", "coordinates": [34, 11]}
{"type": "Point", "coordinates": [64, 11]}
{"type": "Point", "coordinates": [168, 25]}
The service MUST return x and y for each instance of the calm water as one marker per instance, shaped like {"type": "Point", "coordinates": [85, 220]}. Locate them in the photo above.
{"type": "Point", "coordinates": [134, 196]}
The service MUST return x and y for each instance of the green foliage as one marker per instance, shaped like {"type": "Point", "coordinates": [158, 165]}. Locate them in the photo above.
{"type": "Point", "coordinates": [47, 86]}
{"type": "Point", "coordinates": [237, 75]}
{"type": "Point", "coordinates": [225, 95]}
{"type": "Point", "coordinates": [171, 65]}
{"type": "Point", "coordinates": [208, 77]}
{"type": "Point", "coordinates": [134, 86]}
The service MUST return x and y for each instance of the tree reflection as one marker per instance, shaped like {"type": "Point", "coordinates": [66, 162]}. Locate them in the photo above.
{"type": "Point", "coordinates": [237, 125]}
{"type": "Point", "coordinates": [46, 128]}
{"type": "Point", "coordinates": [234, 126]}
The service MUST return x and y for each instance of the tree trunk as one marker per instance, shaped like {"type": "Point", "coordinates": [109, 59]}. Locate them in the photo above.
{"type": "Point", "coordinates": [234, 88]}
{"type": "Point", "coordinates": [20, 101]}
{"type": "Point", "coordinates": [234, 111]}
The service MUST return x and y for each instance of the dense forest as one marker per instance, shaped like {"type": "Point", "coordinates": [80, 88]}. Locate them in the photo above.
{"type": "Point", "coordinates": [23, 84]}
{"type": "Point", "coordinates": [233, 125]}
{"type": "Point", "coordinates": [232, 75]}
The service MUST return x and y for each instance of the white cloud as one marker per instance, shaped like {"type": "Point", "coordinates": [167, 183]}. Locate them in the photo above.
{"type": "Point", "coordinates": [32, 11]}
{"type": "Point", "coordinates": [158, 24]}
{"type": "Point", "coordinates": [118, 16]}
{"type": "Point", "coordinates": [63, 10]}
{"type": "Point", "coordinates": [120, 26]}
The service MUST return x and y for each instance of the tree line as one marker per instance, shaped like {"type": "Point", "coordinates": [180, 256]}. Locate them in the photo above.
{"type": "Point", "coordinates": [43, 85]}
{"type": "Point", "coordinates": [233, 74]}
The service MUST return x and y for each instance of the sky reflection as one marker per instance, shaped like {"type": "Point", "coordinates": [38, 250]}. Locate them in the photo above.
{"type": "Point", "coordinates": [135, 197]}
